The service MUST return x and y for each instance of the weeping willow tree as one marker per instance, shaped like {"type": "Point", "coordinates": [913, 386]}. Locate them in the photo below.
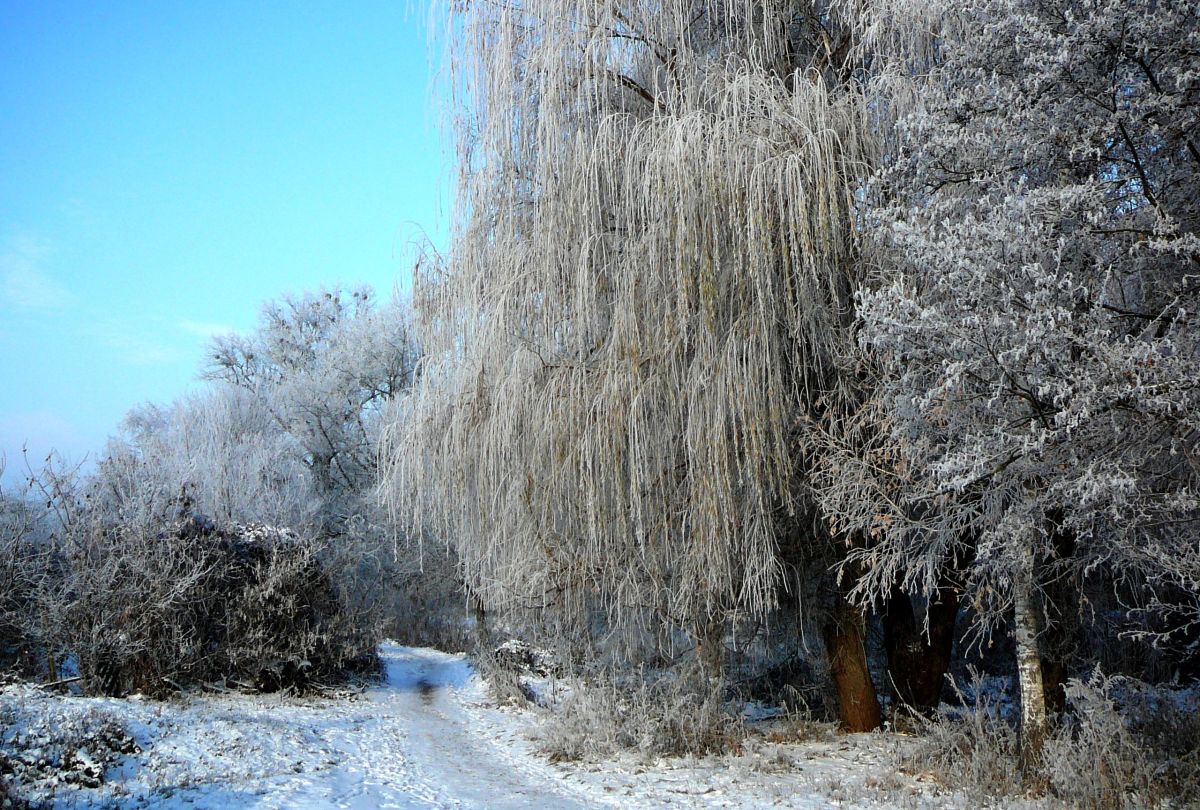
{"type": "Point", "coordinates": [651, 278]}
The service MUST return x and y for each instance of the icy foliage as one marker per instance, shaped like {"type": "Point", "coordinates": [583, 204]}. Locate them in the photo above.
{"type": "Point", "coordinates": [1033, 316]}
{"type": "Point", "coordinates": [24, 573]}
{"type": "Point", "coordinates": [319, 368]}
{"type": "Point", "coordinates": [653, 717]}
{"type": "Point", "coordinates": [1124, 744]}
{"type": "Point", "coordinates": [217, 453]}
{"type": "Point", "coordinates": [653, 265]}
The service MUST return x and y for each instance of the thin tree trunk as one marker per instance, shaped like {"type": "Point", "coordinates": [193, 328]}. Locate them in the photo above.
{"type": "Point", "coordinates": [858, 705]}
{"type": "Point", "coordinates": [1029, 665]}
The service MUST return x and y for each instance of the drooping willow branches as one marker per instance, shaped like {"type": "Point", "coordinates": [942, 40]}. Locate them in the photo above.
{"type": "Point", "coordinates": [650, 279]}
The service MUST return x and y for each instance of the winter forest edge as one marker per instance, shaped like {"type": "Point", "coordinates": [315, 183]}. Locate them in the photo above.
{"type": "Point", "coordinates": [796, 369]}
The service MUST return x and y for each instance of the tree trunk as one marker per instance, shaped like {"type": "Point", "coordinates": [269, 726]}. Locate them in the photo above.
{"type": "Point", "coordinates": [918, 660]}
{"type": "Point", "coordinates": [709, 635]}
{"type": "Point", "coordinates": [858, 705]}
{"type": "Point", "coordinates": [1061, 633]}
{"type": "Point", "coordinates": [1029, 665]}
{"type": "Point", "coordinates": [483, 632]}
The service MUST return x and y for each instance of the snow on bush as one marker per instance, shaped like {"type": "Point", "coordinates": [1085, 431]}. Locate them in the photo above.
{"type": "Point", "coordinates": [653, 717]}
{"type": "Point", "coordinates": [1123, 743]}
{"type": "Point", "coordinates": [521, 656]}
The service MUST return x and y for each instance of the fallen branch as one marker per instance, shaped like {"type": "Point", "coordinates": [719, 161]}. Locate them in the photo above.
{"type": "Point", "coordinates": [63, 682]}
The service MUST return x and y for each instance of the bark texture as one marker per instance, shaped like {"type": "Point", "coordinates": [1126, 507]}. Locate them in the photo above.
{"type": "Point", "coordinates": [1060, 635]}
{"type": "Point", "coordinates": [1029, 667]}
{"type": "Point", "coordinates": [918, 659]}
{"type": "Point", "coordinates": [858, 705]}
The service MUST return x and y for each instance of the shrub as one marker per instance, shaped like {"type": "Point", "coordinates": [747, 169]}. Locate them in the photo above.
{"type": "Point", "coordinates": [253, 604]}
{"type": "Point", "coordinates": [26, 569]}
{"type": "Point", "coordinates": [973, 748]}
{"type": "Point", "coordinates": [1122, 744]}
{"type": "Point", "coordinates": [651, 716]}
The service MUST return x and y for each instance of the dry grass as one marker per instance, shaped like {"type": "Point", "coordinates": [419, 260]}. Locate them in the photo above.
{"type": "Point", "coordinates": [653, 719]}
{"type": "Point", "coordinates": [1123, 744]}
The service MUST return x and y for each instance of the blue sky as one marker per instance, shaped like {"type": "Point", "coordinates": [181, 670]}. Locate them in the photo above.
{"type": "Point", "coordinates": [165, 167]}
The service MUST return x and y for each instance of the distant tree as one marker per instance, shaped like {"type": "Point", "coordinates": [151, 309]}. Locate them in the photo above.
{"type": "Point", "coordinates": [323, 365]}
{"type": "Point", "coordinates": [218, 453]}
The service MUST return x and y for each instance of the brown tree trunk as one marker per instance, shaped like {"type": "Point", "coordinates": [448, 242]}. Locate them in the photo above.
{"type": "Point", "coordinates": [483, 631]}
{"type": "Point", "coordinates": [858, 705]}
{"type": "Point", "coordinates": [919, 656]}
{"type": "Point", "coordinates": [918, 659]}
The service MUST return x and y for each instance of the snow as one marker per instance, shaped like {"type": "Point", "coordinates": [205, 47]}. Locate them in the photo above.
{"type": "Point", "coordinates": [428, 736]}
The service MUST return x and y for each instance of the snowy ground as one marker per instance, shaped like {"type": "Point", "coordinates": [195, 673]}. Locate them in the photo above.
{"type": "Point", "coordinates": [427, 737]}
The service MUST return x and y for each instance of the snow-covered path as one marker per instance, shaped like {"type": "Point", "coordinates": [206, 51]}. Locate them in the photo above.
{"type": "Point", "coordinates": [426, 737]}
{"type": "Point", "coordinates": [414, 743]}
{"type": "Point", "coordinates": [410, 742]}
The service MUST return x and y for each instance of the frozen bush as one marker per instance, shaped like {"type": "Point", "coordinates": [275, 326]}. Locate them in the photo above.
{"type": "Point", "coordinates": [253, 604]}
{"type": "Point", "coordinates": [523, 657]}
{"type": "Point", "coordinates": [1125, 744]}
{"type": "Point", "coordinates": [507, 685]}
{"type": "Point", "coordinates": [31, 571]}
{"type": "Point", "coordinates": [151, 594]}
{"type": "Point", "coordinates": [289, 623]}
{"type": "Point", "coordinates": [1122, 744]}
{"type": "Point", "coordinates": [973, 748]}
{"type": "Point", "coordinates": [24, 566]}
{"type": "Point", "coordinates": [652, 717]}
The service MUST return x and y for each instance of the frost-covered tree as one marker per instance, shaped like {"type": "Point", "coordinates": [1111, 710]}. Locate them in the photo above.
{"type": "Point", "coordinates": [1035, 319]}
{"type": "Point", "coordinates": [322, 365]}
{"type": "Point", "coordinates": [218, 453]}
{"type": "Point", "coordinates": [651, 276]}
{"type": "Point", "coordinates": [24, 571]}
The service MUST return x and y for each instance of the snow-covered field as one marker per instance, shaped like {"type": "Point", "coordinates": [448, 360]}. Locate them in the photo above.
{"type": "Point", "coordinates": [428, 736]}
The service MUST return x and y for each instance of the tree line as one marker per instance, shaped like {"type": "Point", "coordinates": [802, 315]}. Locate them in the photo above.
{"type": "Point", "coordinates": [796, 350]}
{"type": "Point", "coordinates": [785, 314]}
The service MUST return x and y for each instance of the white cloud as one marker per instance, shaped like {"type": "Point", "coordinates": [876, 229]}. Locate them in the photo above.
{"type": "Point", "coordinates": [25, 283]}
{"type": "Point", "coordinates": [205, 330]}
